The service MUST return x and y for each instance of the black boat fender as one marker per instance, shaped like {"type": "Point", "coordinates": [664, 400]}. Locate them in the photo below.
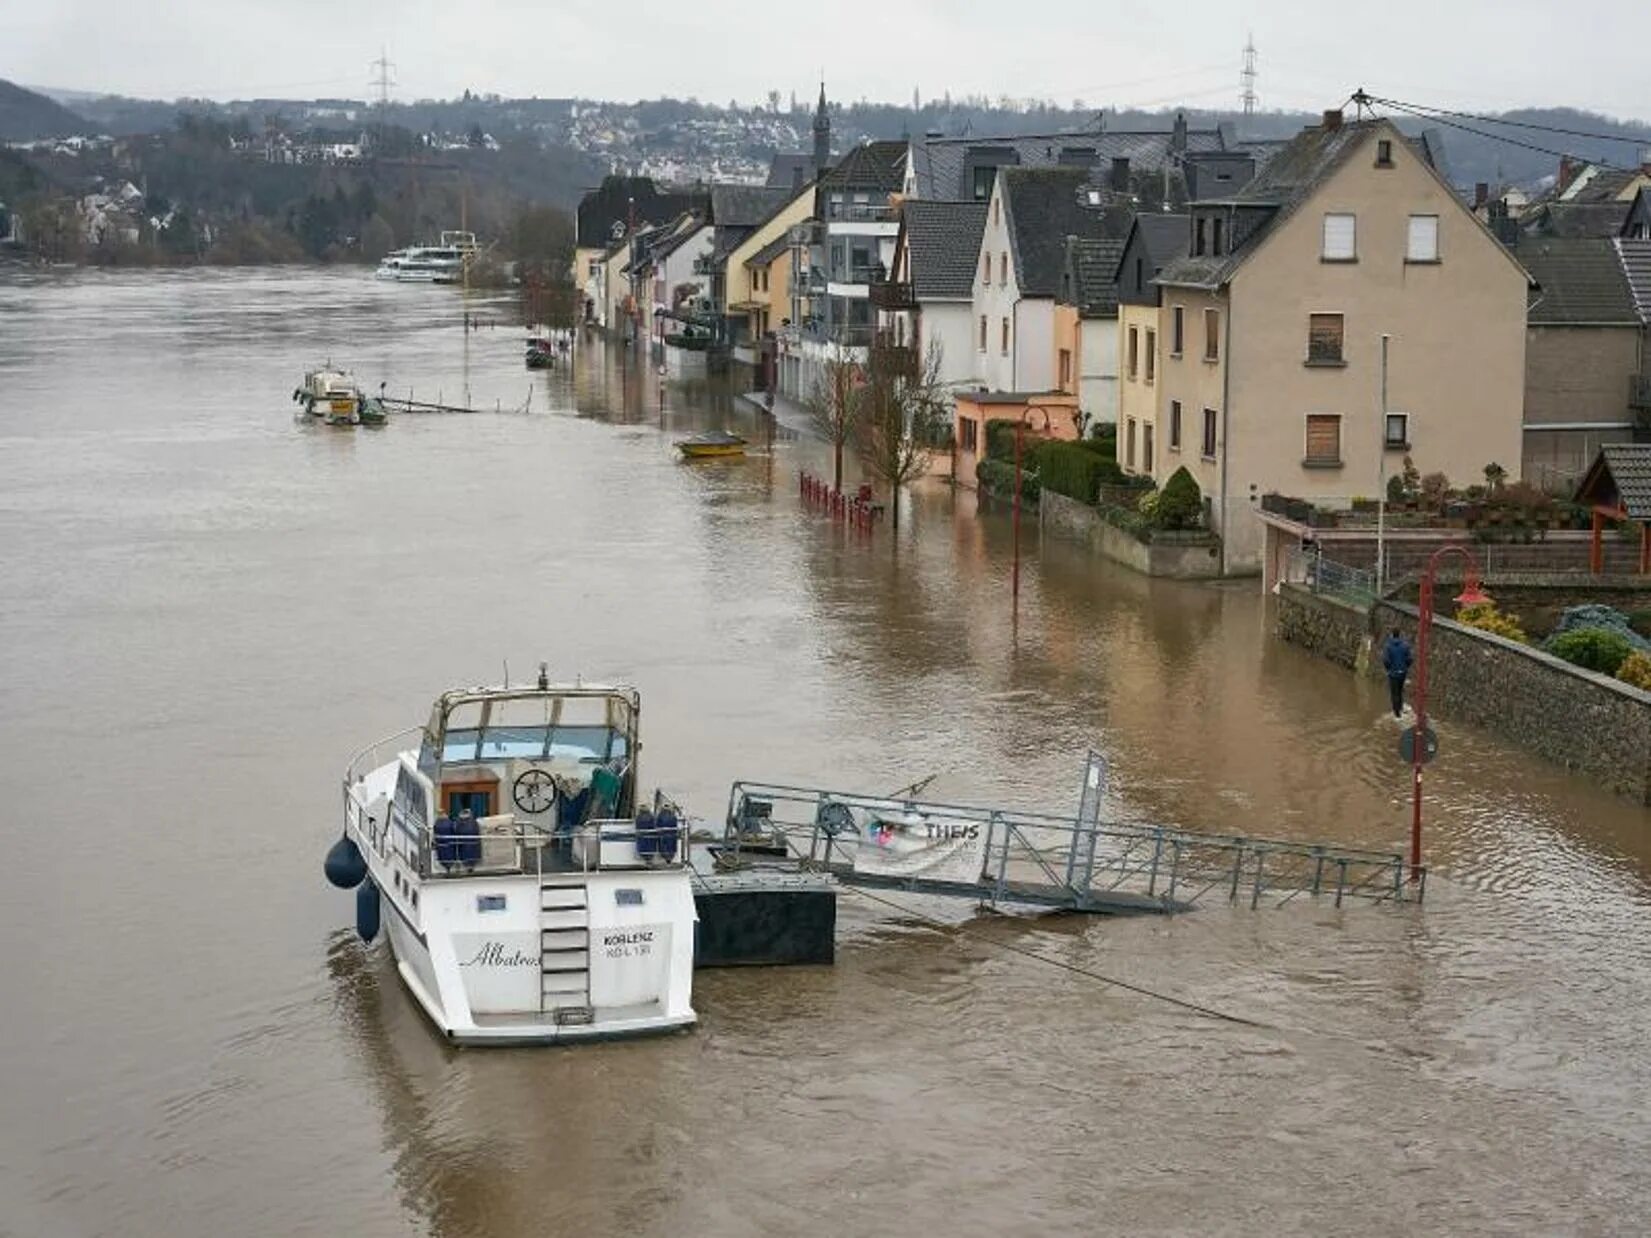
{"type": "Point", "coordinates": [366, 910]}
{"type": "Point", "coordinates": [344, 866]}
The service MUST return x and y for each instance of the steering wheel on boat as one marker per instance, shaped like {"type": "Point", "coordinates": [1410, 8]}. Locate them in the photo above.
{"type": "Point", "coordinates": [534, 791]}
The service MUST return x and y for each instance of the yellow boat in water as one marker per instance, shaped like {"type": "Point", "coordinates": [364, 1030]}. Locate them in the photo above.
{"type": "Point", "coordinates": [711, 445]}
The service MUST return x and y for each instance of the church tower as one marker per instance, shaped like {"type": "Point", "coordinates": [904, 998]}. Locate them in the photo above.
{"type": "Point", "coordinates": [822, 135]}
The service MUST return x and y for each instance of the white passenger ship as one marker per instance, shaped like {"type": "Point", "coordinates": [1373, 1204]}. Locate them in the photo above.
{"type": "Point", "coordinates": [529, 894]}
{"type": "Point", "coordinates": [431, 264]}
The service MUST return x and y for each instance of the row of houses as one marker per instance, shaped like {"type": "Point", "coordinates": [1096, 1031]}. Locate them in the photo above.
{"type": "Point", "coordinates": [1298, 317]}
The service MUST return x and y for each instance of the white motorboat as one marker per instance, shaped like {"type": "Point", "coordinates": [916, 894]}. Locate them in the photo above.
{"type": "Point", "coordinates": [530, 893]}
{"type": "Point", "coordinates": [443, 263]}
{"type": "Point", "coordinates": [330, 394]}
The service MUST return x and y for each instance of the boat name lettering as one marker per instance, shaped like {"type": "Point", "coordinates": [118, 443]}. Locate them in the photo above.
{"type": "Point", "coordinates": [640, 937]}
{"type": "Point", "coordinates": [628, 944]}
{"type": "Point", "coordinates": [954, 829]}
{"type": "Point", "coordinates": [497, 954]}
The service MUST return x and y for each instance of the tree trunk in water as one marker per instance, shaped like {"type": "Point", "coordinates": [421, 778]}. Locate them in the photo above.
{"type": "Point", "coordinates": [894, 509]}
{"type": "Point", "coordinates": [837, 467]}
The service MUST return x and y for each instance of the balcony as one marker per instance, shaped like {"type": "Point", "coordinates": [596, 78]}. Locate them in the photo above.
{"type": "Point", "coordinates": [893, 296]}
{"type": "Point", "coordinates": [1639, 392]}
{"type": "Point", "coordinates": [839, 334]}
{"type": "Point", "coordinates": [889, 357]}
{"type": "Point", "coordinates": [861, 212]}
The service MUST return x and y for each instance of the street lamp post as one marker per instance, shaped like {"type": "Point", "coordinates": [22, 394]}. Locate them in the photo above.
{"type": "Point", "coordinates": [1472, 594]}
{"type": "Point", "coordinates": [1020, 433]}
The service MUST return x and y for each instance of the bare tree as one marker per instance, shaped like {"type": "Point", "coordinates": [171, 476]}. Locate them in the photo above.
{"type": "Point", "coordinates": [909, 413]}
{"type": "Point", "coordinates": [838, 405]}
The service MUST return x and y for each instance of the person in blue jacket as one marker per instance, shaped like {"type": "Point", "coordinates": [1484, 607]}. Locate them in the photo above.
{"type": "Point", "coordinates": [1396, 661]}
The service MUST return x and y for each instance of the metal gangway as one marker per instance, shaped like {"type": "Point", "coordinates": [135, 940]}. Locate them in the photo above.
{"type": "Point", "coordinates": [1076, 863]}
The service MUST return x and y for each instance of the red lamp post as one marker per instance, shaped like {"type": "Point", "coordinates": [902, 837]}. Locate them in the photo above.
{"type": "Point", "coordinates": [1472, 595]}
{"type": "Point", "coordinates": [1020, 431]}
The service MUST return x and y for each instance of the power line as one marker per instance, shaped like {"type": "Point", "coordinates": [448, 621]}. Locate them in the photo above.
{"type": "Point", "coordinates": [1493, 137]}
{"type": "Point", "coordinates": [1193, 1007]}
{"type": "Point", "coordinates": [1503, 120]}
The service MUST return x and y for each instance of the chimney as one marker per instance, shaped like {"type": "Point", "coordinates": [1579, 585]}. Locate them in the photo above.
{"type": "Point", "coordinates": [1120, 173]}
{"type": "Point", "coordinates": [1568, 168]}
{"type": "Point", "coordinates": [1332, 120]}
{"type": "Point", "coordinates": [1481, 194]}
{"type": "Point", "coordinates": [1178, 135]}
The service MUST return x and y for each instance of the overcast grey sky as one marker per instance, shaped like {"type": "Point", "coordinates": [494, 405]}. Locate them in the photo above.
{"type": "Point", "coordinates": [1464, 53]}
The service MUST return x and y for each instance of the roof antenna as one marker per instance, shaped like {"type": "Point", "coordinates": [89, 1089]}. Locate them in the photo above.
{"type": "Point", "coordinates": [544, 677]}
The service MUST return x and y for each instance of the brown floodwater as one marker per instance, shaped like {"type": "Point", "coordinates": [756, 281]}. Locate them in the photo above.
{"type": "Point", "coordinates": [206, 607]}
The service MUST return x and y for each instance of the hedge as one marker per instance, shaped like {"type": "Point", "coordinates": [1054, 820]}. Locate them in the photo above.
{"type": "Point", "coordinates": [997, 478]}
{"type": "Point", "coordinates": [1075, 471]}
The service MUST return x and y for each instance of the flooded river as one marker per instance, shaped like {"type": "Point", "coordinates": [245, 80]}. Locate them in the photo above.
{"type": "Point", "coordinates": [207, 607]}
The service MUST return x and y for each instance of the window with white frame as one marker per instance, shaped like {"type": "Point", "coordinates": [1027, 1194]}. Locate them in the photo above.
{"type": "Point", "coordinates": [1175, 425]}
{"type": "Point", "coordinates": [1340, 237]}
{"type": "Point", "coordinates": [1423, 241]}
{"type": "Point", "coordinates": [983, 333]}
{"type": "Point", "coordinates": [1004, 342]}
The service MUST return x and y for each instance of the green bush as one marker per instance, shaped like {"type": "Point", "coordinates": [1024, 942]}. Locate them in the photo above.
{"type": "Point", "coordinates": [1180, 503]}
{"type": "Point", "coordinates": [1636, 671]}
{"type": "Point", "coordinates": [1581, 618]}
{"type": "Point", "coordinates": [1596, 649]}
{"type": "Point", "coordinates": [1072, 470]}
{"type": "Point", "coordinates": [1487, 618]}
{"type": "Point", "coordinates": [997, 478]}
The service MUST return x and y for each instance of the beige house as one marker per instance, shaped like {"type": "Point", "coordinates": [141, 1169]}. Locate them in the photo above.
{"type": "Point", "coordinates": [1268, 372]}
{"type": "Point", "coordinates": [752, 269]}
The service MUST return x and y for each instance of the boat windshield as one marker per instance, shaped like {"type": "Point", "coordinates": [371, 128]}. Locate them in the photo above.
{"type": "Point", "coordinates": [593, 729]}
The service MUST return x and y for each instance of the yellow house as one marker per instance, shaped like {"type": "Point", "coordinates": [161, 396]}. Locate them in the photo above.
{"type": "Point", "coordinates": [751, 273]}
{"type": "Point", "coordinates": [1153, 242]}
{"type": "Point", "coordinates": [588, 261]}
{"type": "Point", "coordinates": [1267, 367]}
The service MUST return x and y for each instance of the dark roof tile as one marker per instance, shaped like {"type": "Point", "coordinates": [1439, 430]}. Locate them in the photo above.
{"type": "Point", "coordinates": [1635, 256]}
{"type": "Point", "coordinates": [1041, 209]}
{"type": "Point", "coordinates": [879, 166]}
{"type": "Point", "coordinates": [942, 246]}
{"type": "Point", "coordinates": [1578, 281]}
{"type": "Point", "coordinates": [1092, 266]}
{"type": "Point", "coordinates": [746, 206]}
{"type": "Point", "coordinates": [1621, 473]}
{"type": "Point", "coordinates": [942, 166]}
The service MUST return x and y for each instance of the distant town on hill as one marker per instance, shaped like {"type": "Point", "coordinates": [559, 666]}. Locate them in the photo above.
{"type": "Point", "coordinates": [692, 140]}
{"type": "Point", "coordinates": [119, 181]}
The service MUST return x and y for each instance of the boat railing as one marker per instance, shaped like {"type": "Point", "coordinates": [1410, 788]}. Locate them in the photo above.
{"type": "Point", "coordinates": [379, 753]}
{"type": "Point", "coordinates": [602, 845]}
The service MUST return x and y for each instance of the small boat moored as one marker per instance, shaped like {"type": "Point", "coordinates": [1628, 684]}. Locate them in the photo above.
{"type": "Point", "coordinates": [712, 444]}
{"type": "Point", "coordinates": [332, 395]}
{"type": "Point", "coordinates": [529, 892]}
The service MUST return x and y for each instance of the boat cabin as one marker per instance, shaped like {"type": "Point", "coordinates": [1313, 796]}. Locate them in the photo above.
{"type": "Point", "coordinates": [535, 780]}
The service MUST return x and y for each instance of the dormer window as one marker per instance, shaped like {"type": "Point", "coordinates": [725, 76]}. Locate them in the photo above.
{"type": "Point", "coordinates": [1217, 239]}
{"type": "Point", "coordinates": [1384, 153]}
{"type": "Point", "coordinates": [1198, 245]}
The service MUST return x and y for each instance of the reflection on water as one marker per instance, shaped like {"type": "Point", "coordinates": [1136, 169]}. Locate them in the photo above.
{"type": "Point", "coordinates": [208, 606]}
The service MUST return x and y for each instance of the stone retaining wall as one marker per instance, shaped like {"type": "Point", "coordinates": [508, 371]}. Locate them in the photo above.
{"type": "Point", "coordinates": [1181, 556]}
{"type": "Point", "coordinates": [1331, 629]}
{"type": "Point", "coordinates": [1584, 721]}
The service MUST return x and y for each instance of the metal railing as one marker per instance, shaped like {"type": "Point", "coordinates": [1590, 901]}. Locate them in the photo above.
{"type": "Point", "coordinates": [1079, 862]}
{"type": "Point", "coordinates": [379, 753]}
{"type": "Point", "coordinates": [861, 212]}
{"type": "Point", "coordinates": [595, 846]}
{"type": "Point", "coordinates": [1354, 585]}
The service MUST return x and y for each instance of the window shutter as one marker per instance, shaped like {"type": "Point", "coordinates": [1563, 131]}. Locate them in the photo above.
{"type": "Point", "coordinates": [1323, 438]}
{"type": "Point", "coordinates": [1324, 337]}
{"type": "Point", "coordinates": [1340, 237]}
{"type": "Point", "coordinates": [1424, 238]}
